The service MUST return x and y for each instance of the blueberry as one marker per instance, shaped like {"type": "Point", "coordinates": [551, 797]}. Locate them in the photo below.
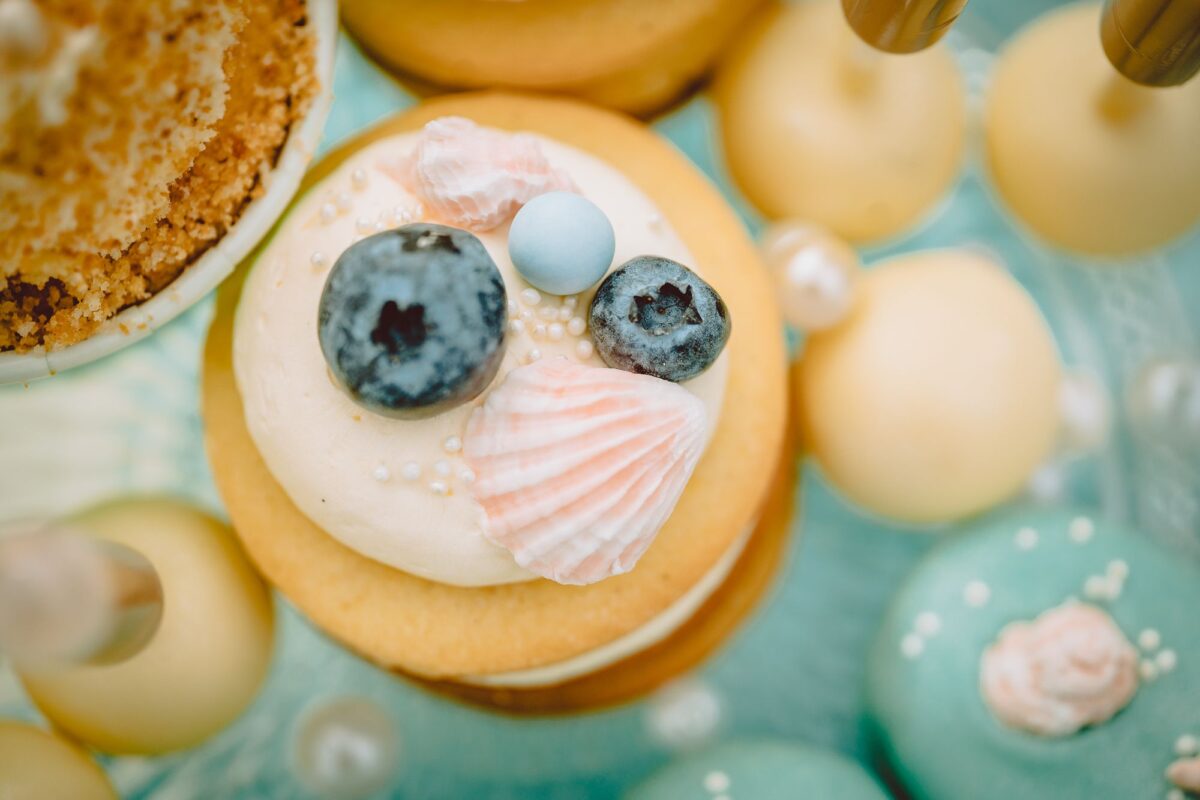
{"type": "Point", "coordinates": [656, 317]}
{"type": "Point", "coordinates": [412, 320]}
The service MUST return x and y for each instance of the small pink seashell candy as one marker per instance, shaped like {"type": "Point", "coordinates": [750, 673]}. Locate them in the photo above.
{"type": "Point", "coordinates": [1069, 668]}
{"type": "Point", "coordinates": [578, 467]}
{"type": "Point", "coordinates": [475, 177]}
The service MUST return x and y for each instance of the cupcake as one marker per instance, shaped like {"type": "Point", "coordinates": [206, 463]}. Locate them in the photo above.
{"type": "Point", "coordinates": [627, 54]}
{"type": "Point", "coordinates": [501, 403]}
{"type": "Point", "coordinates": [140, 143]}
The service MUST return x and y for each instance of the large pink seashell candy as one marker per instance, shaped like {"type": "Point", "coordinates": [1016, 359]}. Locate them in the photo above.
{"type": "Point", "coordinates": [476, 177]}
{"type": "Point", "coordinates": [578, 468]}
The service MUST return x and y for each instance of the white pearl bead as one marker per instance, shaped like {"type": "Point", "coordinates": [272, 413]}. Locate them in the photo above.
{"type": "Point", "coordinates": [815, 273]}
{"type": "Point", "coordinates": [555, 332]}
{"type": "Point", "coordinates": [346, 748]}
{"type": "Point", "coordinates": [584, 349]}
{"type": "Point", "coordinates": [442, 468]}
{"type": "Point", "coordinates": [548, 313]}
{"type": "Point", "coordinates": [531, 297]}
{"type": "Point", "coordinates": [516, 326]}
{"type": "Point", "coordinates": [343, 201]}
{"type": "Point", "coordinates": [358, 178]}
{"type": "Point", "coordinates": [1086, 412]}
{"type": "Point", "coordinates": [684, 714]}
{"type": "Point", "coordinates": [1164, 402]}
{"type": "Point", "coordinates": [318, 259]}
{"type": "Point", "coordinates": [328, 212]}
{"type": "Point", "coordinates": [364, 225]}
{"type": "Point", "coordinates": [411, 471]}
{"type": "Point", "coordinates": [576, 326]}
{"type": "Point", "coordinates": [533, 355]}
{"type": "Point", "coordinates": [453, 444]}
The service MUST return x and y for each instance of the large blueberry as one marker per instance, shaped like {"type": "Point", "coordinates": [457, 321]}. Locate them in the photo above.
{"type": "Point", "coordinates": [656, 317]}
{"type": "Point", "coordinates": [412, 320]}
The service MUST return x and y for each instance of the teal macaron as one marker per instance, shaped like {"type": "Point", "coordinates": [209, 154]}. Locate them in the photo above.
{"type": "Point", "coordinates": [561, 242]}
{"type": "Point", "coordinates": [760, 770]}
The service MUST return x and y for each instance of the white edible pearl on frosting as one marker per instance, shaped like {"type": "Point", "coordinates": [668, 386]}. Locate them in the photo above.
{"type": "Point", "coordinates": [411, 471]}
{"type": "Point", "coordinates": [346, 747]}
{"type": "Point", "coordinates": [328, 213]}
{"type": "Point", "coordinates": [1166, 661]}
{"type": "Point", "coordinates": [584, 349]}
{"type": "Point", "coordinates": [555, 332]}
{"type": "Point", "coordinates": [531, 297]}
{"type": "Point", "coordinates": [364, 225]}
{"type": "Point", "coordinates": [1187, 745]}
{"type": "Point", "coordinates": [318, 259]}
{"type": "Point", "coordinates": [439, 487]}
{"type": "Point", "coordinates": [533, 355]}
{"type": "Point", "coordinates": [576, 326]}
{"type": "Point", "coordinates": [381, 473]}
{"type": "Point", "coordinates": [343, 202]}
{"type": "Point", "coordinates": [442, 468]}
{"type": "Point", "coordinates": [516, 326]}
{"type": "Point", "coordinates": [358, 178]}
{"type": "Point", "coordinates": [453, 444]}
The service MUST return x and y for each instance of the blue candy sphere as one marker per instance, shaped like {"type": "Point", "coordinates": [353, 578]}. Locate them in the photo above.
{"type": "Point", "coordinates": [561, 242]}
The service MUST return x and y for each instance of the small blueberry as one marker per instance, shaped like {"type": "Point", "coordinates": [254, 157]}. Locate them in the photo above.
{"type": "Point", "coordinates": [656, 317]}
{"type": "Point", "coordinates": [561, 242]}
{"type": "Point", "coordinates": [412, 320]}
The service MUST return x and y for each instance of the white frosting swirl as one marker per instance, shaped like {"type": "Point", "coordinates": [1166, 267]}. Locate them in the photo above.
{"type": "Point", "coordinates": [1069, 668]}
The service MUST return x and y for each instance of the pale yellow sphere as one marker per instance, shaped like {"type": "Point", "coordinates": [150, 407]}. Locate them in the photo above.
{"type": "Point", "coordinates": [36, 765]}
{"type": "Point", "coordinates": [1089, 161]}
{"type": "Point", "coordinates": [207, 660]}
{"type": "Point", "coordinates": [817, 126]}
{"type": "Point", "coordinates": [938, 396]}
{"type": "Point", "coordinates": [814, 271]}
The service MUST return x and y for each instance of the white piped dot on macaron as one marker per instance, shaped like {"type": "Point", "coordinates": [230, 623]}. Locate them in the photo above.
{"type": "Point", "coordinates": [976, 594]}
{"type": "Point", "coordinates": [381, 473]}
{"type": "Point", "coordinates": [927, 624]}
{"type": "Point", "coordinates": [1166, 661]}
{"type": "Point", "coordinates": [1026, 538]}
{"type": "Point", "coordinates": [1187, 745]}
{"type": "Point", "coordinates": [1148, 670]}
{"type": "Point", "coordinates": [411, 471]}
{"type": "Point", "coordinates": [1149, 639]}
{"type": "Point", "coordinates": [912, 645]}
{"type": "Point", "coordinates": [453, 444]}
{"type": "Point", "coordinates": [1081, 530]}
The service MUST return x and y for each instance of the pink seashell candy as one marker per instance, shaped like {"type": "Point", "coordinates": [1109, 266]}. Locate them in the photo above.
{"type": "Point", "coordinates": [578, 468]}
{"type": "Point", "coordinates": [475, 177]}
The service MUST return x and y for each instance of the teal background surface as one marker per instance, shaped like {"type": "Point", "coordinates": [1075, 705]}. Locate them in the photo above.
{"type": "Point", "coordinates": [796, 671]}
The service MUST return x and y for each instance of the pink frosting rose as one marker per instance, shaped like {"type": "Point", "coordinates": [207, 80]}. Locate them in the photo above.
{"type": "Point", "coordinates": [1070, 667]}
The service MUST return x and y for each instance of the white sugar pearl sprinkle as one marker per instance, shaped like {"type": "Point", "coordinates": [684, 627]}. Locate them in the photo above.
{"type": "Point", "coordinates": [1118, 569]}
{"type": "Point", "coordinates": [1148, 670]}
{"type": "Point", "coordinates": [912, 646]}
{"type": "Point", "coordinates": [548, 313]}
{"type": "Point", "coordinates": [576, 326]}
{"type": "Point", "coordinates": [442, 468]}
{"type": "Point", "coordinates": [512, 307]}
{"type": "Point", "coordinates": [343, 201]}
{"type": "Point", "coordinates": [1187, 745]}
{"type": "Point", "coordinates": [584, 349]}
{"type": "Point", "coordinates": [466, 475]}
{"type": "Point", "coordinates": [439, 487]}
{"type": "Point", "coordinates": [927, 624]}
{"type": "Point", "coordinates": [569, 301]}
{"type": "Point", "coordinates": [364, 225]}
{"type": "Point", "coordinates": [1149, 639]}
{"type": "Point", "coordinates": [328, 212]}
{"type": "Point", "coordinates": [411, 471]}
{"type": "Point", "coordinates": [1081, 530]}
{"type": "Point", "coordinates": [531, 297]}
{"type": "Point", "coordinates": [318, 259]}
{"type": "Point", "coordinates": [381, 473]}
{"type": "Point", "coordinates": [555, 332]}
{"type": "Point", "coordinates": [1096, 588]}
{"type": "Point", "coordinates": [358, 178]}
{"type": "Point", "coordinates": [533, 355]}
{"type": "Point", "coordinates": [516, 326]}
{"type": "Point", "coordinates": [527, 316]}
{"type": "Point", "coordinates": [453, 444]}
{"type": "Point", "coordinates": [976, 594]}
{"type": "Point", "coordinates": [1166, 661]}
{"type": "Point", "coordinates": [539, 330]}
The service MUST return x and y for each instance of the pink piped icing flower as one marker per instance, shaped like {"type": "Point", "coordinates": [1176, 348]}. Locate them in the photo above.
{"type": "Point", "coordinates": [474, 177]}
{"type": "Point", "coordinates": [1069, 668]}
{"type": "Point", "coordinates": [578, 467]}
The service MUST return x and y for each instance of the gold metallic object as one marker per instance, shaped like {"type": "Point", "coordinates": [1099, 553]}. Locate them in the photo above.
{"type": "Point", "coordinates": [1152, 42]}
{"type": "Point", "coordinates": [902, 26]}
{"type": "Point", "coordinates": [68, 598]}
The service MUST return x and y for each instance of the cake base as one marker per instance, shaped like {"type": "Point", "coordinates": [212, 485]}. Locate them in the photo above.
{"type": "Point", "coordinates": [442, 633]}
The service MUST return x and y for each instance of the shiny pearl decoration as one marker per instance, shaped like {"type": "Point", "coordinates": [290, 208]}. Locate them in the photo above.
{"type": "Point", "coordinates": [346, 749]}
{"type": "Point", "coordinates": [938, 397]}
{"type": "Point", "coordinates": [1164, 402]}
{"type": "Point", "coordinates": [684, 714]}
{"type": "Point", "coordinates": [814, 272]}
{"type": "Point", "coordinates": [561, 242]}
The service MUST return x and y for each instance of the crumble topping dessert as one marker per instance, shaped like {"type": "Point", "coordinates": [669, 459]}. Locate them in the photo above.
{"type": "Point", "coordinates": [132, 136]}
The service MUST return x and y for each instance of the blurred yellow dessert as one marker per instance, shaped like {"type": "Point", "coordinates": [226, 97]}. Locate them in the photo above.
{"type": "Point", "coordinates": [132, 137]}
{"type": "Point", "coordinates": [1089, 160]}
{"type": "Point", "coordinates": [36, 765]}
{"type": "Point", "coordinates": [820, 127]}
{"type": "Point", "coordinates": [628, 54]}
